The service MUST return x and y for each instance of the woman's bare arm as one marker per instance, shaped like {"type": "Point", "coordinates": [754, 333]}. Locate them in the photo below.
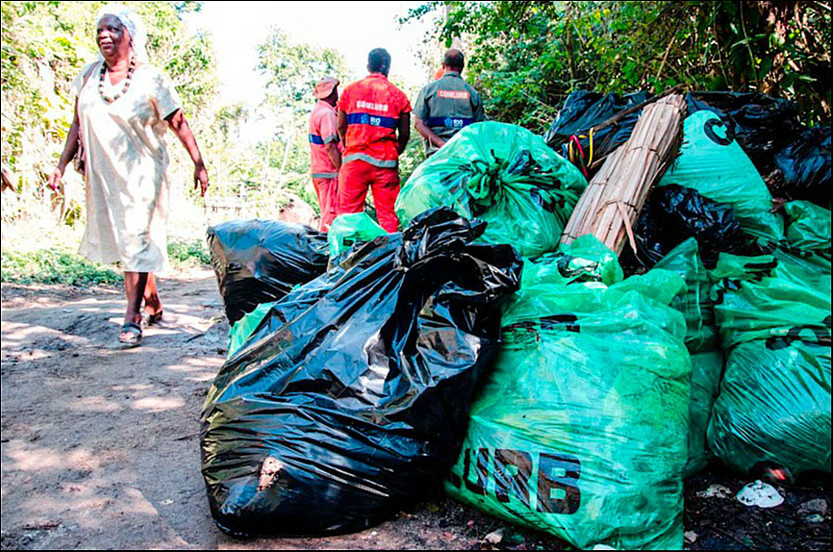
{"type": "Point", "coordinates": [180, 127]}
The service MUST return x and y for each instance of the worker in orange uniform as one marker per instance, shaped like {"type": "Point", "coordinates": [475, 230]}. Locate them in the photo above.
{"type": "Point", "coordinates": [374, 123]}
{"type": "Point", "coordinates": [325, 149]}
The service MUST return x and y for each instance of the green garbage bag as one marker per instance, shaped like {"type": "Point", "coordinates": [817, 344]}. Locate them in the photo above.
{"type": "Point", "coordinates": [580, 429]}
{"type": "Point", "coordinates": [504, 175]}
{"type": "Point", "coordinates": [349, 229]}
{"type": "Point", "coordinates": [808, 227]}
{"type": "Point", "coordinates": [701, 340]}
{"type": "Point", "coordinates": [586, 259]}
{"type": "Point", "coordinates": [713, 163]}
{"type": "Point", "coordinates": [807, 246]}
{"type": "Point", "coordinates": [695, 304]}
{"type": "Point", "coordinates": [240, 330]}
{"type": "Point", "coordinates": [706, 372]}
{"type": "Point", "coordinates": [774, 401]}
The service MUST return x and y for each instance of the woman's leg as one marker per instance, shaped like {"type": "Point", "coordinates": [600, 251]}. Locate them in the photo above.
{"type": "Point", "coordinates": [153, 305]}
{"type": "Point", "coordinates": [134, 287]}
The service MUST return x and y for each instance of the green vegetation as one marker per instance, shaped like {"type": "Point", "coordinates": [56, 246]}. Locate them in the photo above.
{"type": "Point", "coordinates": [527, 56]}
{"type": "Point", "coordinates": [46, 44]}
{"type": "Point", "coordinates": [53, 266]}
{"type": "Point", "coordinates": [188, 254]}
{"type": "Point", "coordinates": [57, 265]}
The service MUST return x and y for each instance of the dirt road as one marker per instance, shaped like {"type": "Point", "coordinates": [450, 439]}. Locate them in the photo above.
{"type": "Point", "coordinates": [100, 445]}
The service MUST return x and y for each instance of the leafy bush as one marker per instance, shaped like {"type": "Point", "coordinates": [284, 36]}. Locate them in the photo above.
{"type": "Point", "coordinates": [53, 266]}
{"type": "Point", "coordinates": [188, 254]}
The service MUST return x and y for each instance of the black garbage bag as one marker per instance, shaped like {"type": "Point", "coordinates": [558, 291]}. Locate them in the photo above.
{"type": "Point", "coordinates": [258, 261]}
{"type": "Point", "coordinates": [352, 398]}
{"type": "Point", "coordinates": [675, 213]}
{"type": "Point", "coordinates": [582, 110]}
{"type": "Point", "coordinates": [805, 166]}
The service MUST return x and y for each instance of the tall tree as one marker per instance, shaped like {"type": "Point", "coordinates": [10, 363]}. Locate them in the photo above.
{"type": "Point", "coordinates": [291, 71]}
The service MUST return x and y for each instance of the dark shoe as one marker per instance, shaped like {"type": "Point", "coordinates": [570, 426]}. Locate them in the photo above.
{"type": "Point", "coordinates": [131, 334]}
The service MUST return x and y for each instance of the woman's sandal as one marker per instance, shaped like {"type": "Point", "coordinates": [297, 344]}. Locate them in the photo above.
{"type": "Point", "coordinates": [131, 334]}
{"type": "Point", "coordinates": [151, 319]}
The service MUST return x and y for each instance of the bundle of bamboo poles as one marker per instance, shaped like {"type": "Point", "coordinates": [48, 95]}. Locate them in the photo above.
{"type": "Point", "coordinates": [610, 205]}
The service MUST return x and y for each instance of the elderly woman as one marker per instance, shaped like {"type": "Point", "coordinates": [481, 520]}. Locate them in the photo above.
{"type": "Point", "coordinates": [123, 108]}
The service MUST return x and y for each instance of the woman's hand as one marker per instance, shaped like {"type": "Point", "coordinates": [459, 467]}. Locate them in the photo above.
{"type": "Point", "coordinates": [55, 180]}
{"type": "Point", "coordinates": [200, 178]}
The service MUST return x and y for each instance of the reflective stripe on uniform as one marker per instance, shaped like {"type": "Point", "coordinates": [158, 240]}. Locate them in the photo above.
{"type": "Point", "coordinates": [372, 120]}
{"type": "Point", "coordinates": [448, 122]}
{"type": "Point", "coordinates": [381, 163]}
{"type": "Point", "coordinates": [319, 141]}
{"type": "Point", "coordinates": [325, 175]}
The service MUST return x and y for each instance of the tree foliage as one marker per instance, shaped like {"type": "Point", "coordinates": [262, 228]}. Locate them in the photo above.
{"type": "Point", "coordinates": [527, 56]}
{"type": "Point", "coordinates": [291, 71]}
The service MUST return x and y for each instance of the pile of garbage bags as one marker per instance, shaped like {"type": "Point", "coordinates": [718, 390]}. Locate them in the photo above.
{"type": "Point", "coordinates": [552, 385]}
{"type": "Point", "coordinates": [590, 382]}
{"type": "Point", "coordinates": [351, 397]}
{"type": "Point", "coordinates": [794, 159]}
{"type": "Point", "coordinates": [758, 275]}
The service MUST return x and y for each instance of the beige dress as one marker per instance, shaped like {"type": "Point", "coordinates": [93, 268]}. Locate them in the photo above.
{"type": "Point", "coordinates": [126, 164]}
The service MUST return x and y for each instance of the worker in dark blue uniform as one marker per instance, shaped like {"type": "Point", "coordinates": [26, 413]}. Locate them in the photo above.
{"type": "Point", "coordinates": [447, 105]}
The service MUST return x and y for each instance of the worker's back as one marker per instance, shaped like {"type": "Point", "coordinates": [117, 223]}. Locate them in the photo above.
{"type": "Point", "coordinates": [372, 106]}
{"type": "Point", "coordinates": [448, 105]}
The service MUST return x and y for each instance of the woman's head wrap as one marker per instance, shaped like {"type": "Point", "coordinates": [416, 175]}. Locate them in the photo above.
{"type": "Point", "coordinates": [134, 25]}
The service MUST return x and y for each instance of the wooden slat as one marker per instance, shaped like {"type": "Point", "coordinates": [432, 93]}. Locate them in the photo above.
{"type": "Point", "coordinates": [611, 204]}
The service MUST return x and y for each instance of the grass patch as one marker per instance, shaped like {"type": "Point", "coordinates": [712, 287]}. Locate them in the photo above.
{"type": "Point", "coordinates": [188, 254]}
{"type": "Point", "coordinates": [56, 266]}
{"type": "Point", "coordinates": [53, 266]}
